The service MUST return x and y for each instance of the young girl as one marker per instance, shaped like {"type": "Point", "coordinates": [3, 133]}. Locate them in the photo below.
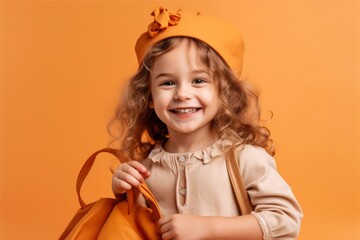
{"type": "Point", "coordinates": [180, 113]}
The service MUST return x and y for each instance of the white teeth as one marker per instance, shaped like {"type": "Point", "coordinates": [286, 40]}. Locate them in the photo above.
{"type": "Point", "coordinates": [185, 110]}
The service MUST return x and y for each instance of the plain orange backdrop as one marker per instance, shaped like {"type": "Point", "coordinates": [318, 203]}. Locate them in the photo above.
{"type": "Point", "coordinates": [63, 64]}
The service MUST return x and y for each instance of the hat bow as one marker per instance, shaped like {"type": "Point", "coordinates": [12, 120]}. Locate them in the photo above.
{"type": "Point", "coordinates": [162, 19]}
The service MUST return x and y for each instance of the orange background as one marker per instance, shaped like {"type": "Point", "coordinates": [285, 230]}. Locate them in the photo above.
{"type": "Point", "coordinates": [63, 63]}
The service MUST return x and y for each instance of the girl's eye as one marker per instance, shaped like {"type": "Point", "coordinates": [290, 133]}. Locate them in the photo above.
{"type": "Point", "coordinates": [167, 83]}
{"type": "Point", "coordinates": [198, 81]}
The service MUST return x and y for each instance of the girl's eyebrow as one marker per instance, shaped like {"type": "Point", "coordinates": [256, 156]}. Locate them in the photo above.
{"type": "Point", "coordinates": [192, 72]}
{"type": "Point", "coordinates": [200, 71]}
{"type": "Point", "coordinates": [162, 75]}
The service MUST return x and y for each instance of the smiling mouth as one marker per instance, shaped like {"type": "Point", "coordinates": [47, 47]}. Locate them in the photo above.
{"type": "Point", "coordinates": [184, 110]}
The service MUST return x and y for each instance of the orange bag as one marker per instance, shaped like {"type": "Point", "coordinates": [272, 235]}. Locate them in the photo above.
{"type": "Point", "coordinates": [110, 218]}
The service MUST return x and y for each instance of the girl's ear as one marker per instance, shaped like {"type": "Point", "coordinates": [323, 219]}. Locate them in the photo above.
{"type": "Point", "coordinates": [151, 104]}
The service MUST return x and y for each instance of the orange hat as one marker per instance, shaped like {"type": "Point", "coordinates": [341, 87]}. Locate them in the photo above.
{"type": "Point", "coordinates": [221, 36]}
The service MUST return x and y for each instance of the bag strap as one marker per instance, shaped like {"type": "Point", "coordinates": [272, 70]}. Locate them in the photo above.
{"type": "Point", "coordinates": [84, 171]}
{"type": "Point", "coordinates": [237, 182]}
{"type": "Point", "coordinates": [145, 191]}
{"type": "Point", "coordinates": [143, 188]}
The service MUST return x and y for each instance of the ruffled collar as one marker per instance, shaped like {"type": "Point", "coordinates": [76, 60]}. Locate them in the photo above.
{"type": "Point", "coordinates": [206, 155]}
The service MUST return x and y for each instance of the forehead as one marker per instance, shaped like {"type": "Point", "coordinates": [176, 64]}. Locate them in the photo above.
{"type": "Point", "coordinates": [185, 54]}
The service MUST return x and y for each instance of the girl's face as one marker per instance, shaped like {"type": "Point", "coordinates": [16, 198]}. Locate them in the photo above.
{"type": "Point", "coordinates": [184, 95]}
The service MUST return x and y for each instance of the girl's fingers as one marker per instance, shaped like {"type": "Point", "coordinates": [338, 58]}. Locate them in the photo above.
{"type": "Point", "coordinates": [141, 168]}
{"type": "Point", "coordinates": [120, 186]}
{"type": "Point", "coordinates": [164, 220]}
{"type": "Point", "coordinates": [127, 175]}
{"type": "Point", "coordinates": [125, 178]}
{"type": "Point", "coordinates": [135, 169]}
{"type": "Point", "coordinates": [130, 171]}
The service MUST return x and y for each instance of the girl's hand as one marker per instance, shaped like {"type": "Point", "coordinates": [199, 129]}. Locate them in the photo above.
{"type": "Point", "coordinates": [128, 175]}
{"type": "Point", "coordinates": [184, 226]}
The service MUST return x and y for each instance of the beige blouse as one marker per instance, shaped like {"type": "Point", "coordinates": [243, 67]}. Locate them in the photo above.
{"type": "Point", "coordinates": [198, 183]}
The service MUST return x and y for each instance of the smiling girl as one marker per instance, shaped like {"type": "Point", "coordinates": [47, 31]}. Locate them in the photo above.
{"type": "Point", "coordinates": [180, 114]}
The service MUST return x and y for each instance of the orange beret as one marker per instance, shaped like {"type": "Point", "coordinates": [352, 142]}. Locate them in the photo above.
{"type": "Point", "coordinates": [221, 36]}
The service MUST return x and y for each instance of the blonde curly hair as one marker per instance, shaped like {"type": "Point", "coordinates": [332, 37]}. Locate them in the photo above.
{"type": "Point", "coordinates": [136, 127]}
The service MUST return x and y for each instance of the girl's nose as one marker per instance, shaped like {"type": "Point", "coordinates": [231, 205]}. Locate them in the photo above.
{"type": "Point", "coordinates": [182, 93]}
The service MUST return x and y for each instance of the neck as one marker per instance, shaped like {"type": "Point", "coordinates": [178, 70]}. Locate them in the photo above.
{"type": "Point", "coordinates": [188, 142]}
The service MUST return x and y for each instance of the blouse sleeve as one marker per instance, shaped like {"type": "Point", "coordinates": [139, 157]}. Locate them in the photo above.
{"type": "Point", "coordinates": [275, 207]}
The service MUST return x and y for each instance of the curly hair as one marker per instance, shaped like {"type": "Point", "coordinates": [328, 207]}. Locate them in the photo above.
{"type": "Point", "coordinates": [137, 128]}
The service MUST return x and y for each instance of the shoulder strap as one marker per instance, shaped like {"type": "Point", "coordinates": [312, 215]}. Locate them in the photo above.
{"type": "Point", "coordinates": [237, 182]}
